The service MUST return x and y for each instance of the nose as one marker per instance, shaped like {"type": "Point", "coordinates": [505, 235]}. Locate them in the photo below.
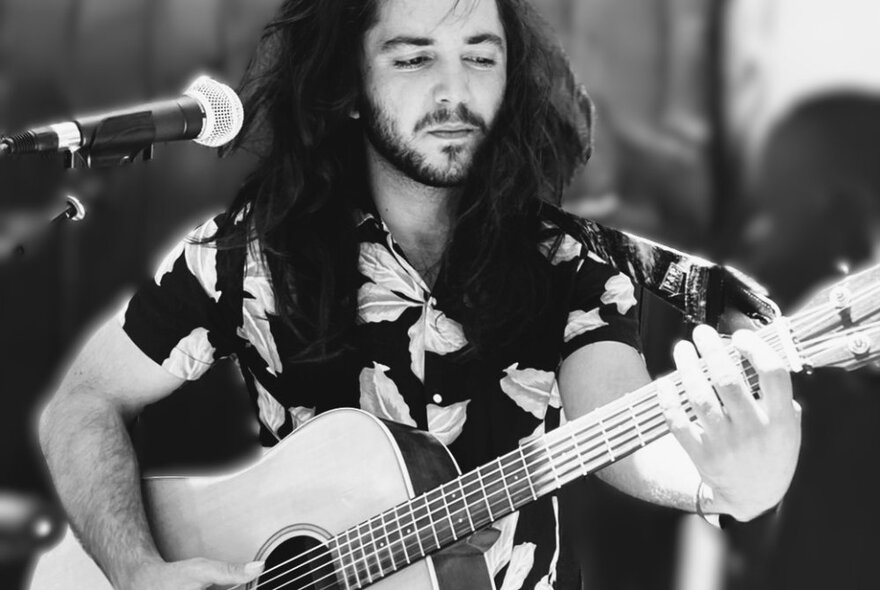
{"type": "Point", "coordinates": [453, 85]}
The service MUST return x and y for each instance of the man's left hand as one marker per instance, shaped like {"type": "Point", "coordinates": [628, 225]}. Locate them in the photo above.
{"type": "Point", "coordinates": [745, 449]}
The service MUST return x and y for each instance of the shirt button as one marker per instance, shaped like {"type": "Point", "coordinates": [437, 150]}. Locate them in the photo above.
{"type": "Point", "coordinates": [438, 399]}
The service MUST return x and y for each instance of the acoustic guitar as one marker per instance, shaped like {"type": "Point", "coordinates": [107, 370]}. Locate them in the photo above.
{"type": "Point", "coordinates": [348, 501]}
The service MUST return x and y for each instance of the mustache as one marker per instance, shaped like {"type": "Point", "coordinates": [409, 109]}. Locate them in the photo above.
{"type": "Point", "coordinates": [460, 114]}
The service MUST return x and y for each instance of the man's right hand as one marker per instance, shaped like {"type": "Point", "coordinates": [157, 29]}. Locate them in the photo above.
{"type": "Point", "coordinates": [191, 574]}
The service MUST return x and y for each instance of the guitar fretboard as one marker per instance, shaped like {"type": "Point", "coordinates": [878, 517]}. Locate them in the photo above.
{"type": "Point", "coordinates": [419, 527]}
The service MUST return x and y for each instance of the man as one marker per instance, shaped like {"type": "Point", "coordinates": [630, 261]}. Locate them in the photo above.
{"type": "Point", "coordinates": [391, 252]}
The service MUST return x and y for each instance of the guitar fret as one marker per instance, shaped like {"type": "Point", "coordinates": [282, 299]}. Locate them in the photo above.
{"type": "Point", "coordinates": [448, 513]}
{"type": "Point", "coordinates": [519, 486]}
{"type": "Point", "coordinates": [433, 525]}
{"type": "Point", "coordinates": [386, 544]}
{"type": "Point", "coordinates": [354, 559]}
{"type": "Point", "coordinates": [464, 500]}
{"type": "Point", "coordinates": [416, 528]}
{"type": "Point", "coordinates": [528, 475]}
{"type": "Point", "coordinates": [550, 462]}
{"type": "Point", "coordinates": [504, 484]}
{"type": "Point", "coordinates": [605, 439]}
{"type": "Point", "coordinates": [402, 540]}
{"type": "Point", "coordinates": [635, 420]}
{"type": "Point", "coordinates": [335, 546]}
{"type": "Point", "coordinates": [577, 450]}
{"type": "Point", "coordinates": [485, 495]}
{"type": "Point", "coordinates": [376, 546]}
{"type": "Point", "coordinates": [364, 555]}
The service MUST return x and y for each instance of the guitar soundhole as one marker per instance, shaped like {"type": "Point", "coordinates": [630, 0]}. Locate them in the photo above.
{"type": "Point", "coordinates": [300, 563]}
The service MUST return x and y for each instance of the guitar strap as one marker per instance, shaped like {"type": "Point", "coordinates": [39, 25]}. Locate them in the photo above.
{"type": "Point", "coordinates": [699, 289]}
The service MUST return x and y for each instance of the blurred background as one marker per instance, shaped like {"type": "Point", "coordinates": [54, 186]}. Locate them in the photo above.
{"type": "Point", "coordinates": [747, 131]}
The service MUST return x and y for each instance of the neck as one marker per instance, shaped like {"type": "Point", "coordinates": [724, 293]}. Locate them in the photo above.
{"type": "Point", "coordinates": [419, 216]}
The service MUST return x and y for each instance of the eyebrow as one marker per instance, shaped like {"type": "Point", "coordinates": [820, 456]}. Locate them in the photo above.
{"type": "Point", "coordinates": [402, 40]}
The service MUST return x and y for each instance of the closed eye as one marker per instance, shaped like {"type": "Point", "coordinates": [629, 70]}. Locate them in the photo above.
{"type": "Point", "coordinates": [482, 62]}
{"type": "Point", "coordinates": [411, 64]}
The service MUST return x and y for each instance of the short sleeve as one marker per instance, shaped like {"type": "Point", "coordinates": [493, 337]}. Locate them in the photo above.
{"type": "Point", "coordinates": [178, 319]}
{"type": "Point", "coordinates": [602, 307]}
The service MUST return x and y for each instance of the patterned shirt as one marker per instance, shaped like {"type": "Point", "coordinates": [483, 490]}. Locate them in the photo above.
{"type": "Point", "coordinates": [205, 304]}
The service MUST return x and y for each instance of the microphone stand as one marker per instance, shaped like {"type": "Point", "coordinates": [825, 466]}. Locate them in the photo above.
{"type": "Point", "coordinates": [73, 210]}
{"type": "Point", "coordinates": [129, 136]}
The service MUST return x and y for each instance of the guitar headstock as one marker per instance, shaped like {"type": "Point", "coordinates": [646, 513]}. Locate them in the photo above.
{"type": "Point", "coordinates": [840, 325]}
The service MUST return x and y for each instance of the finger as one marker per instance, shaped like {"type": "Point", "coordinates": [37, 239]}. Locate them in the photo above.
{"type": "Point", "coordinates": [773, 377]}
{"type": "Point", "coordinates": [686, 432]}
{"type": "Point", "coordinates": [725, 374]}
{"type": "Point", "coordinates": [222, 572]}
{"type": "Point", "coordinates": [697, 387]}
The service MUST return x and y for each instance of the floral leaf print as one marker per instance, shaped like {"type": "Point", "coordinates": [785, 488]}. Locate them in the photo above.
{"type": "Point", "coordinates": [381, 398]}
{"type": "Point", "coordinates": [271, 411]}
{"type": "Point", "coordinates": [201, 259]}
{"type": "Point", "coordinates": [521, 561]}
{"type": "Point", "coordinates": [619, 290]}
{"type": "Point", "coordinates": [569, 249]}
{"type": "Point", "coordinates": [257, 304]}
{"type": "Point", "coordinates": [191, 357]}
{"type": "Point", "coordinates": [447, 422]}
{"type": "Point", "coordinates": [580, 322]}
{"type": "Point", "coordinates": [300, 415]}
{"type": "Point", "coordinates": [378, 304]}
{"type": "Point", "coordinates": [380, 266]}
{"type": "Point", "coordinates": [498, 554]}
{"type": "Point", "coordinates": [433, 332]}
{"type": "Point", "coordinates": [167, 264]}
{"type": "Point", "coordinates": [537, 433]}
{"type": "Point", "coordinates": [531, 389]}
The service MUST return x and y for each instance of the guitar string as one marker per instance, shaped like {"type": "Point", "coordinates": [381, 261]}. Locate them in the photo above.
{"type": "Point", "coordinates": [611, 412]}
{"type": "Point", "coordinates": [829, 310]}
{"type": "Point", "coordinates": [396, 510]}
{"type": "Point", "coordinates": [405, 544]}
{"type": "Point", "coordinates": [400, 534]}
{"type": "Point", "coordinates": [428, 501]}
{"type": "Point", "coordinates": [440, 511]}
{"type": "Point", "coordinates": [372, 530]}
{"type": "Point", "coordinates": [334, 583]}
{"type": "Point", "coordinates": [802, 320]}
{"type": "Point", "coordinates": [419, 529]}
{"type": "Point", "coordinates": [570, 456]}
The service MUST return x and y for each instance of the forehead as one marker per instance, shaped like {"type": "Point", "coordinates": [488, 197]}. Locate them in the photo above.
{"type": "Point", "coordinates": [433, 19]}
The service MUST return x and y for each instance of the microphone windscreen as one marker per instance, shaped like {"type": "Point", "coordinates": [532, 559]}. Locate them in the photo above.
{"type": "Point", "coordinates": [224, 113]}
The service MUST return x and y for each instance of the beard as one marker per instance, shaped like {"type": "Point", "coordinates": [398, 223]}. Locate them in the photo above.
{"type": "Point", "coordinates": [385, 137]}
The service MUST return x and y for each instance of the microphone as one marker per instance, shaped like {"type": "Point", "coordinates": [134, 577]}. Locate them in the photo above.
{"type": "Point", "coordinates": [209, 113]}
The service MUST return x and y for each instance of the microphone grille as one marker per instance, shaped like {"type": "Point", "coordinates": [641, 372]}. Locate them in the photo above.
{"type": "Point", "coordinates": [224, 114]}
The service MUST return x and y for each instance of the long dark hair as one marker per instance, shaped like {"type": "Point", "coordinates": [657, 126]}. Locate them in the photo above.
{"type": "Point", "coordinates": [299, 91]}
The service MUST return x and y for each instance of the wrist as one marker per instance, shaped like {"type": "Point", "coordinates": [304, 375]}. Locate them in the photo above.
{"type": "Point", "coordinates": [137, 573]}
{"type": "Point", "coordinates": [708, 502]}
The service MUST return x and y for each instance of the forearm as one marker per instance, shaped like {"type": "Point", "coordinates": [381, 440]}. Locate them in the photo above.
{"type": "Point", "coordinates": [93, 465]}
{"type": "Point", "coordinates": [660, 473]}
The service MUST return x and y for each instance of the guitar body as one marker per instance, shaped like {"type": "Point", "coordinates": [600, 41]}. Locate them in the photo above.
{"type": "Point", "coordinates": [336, 471]}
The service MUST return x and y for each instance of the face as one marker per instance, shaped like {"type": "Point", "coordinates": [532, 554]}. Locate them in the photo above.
{"type": "Point", "coordinates": [434, 79]}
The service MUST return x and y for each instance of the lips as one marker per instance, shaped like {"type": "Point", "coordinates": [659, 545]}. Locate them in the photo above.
{"type": "Point", "coordinates": [453, 132]}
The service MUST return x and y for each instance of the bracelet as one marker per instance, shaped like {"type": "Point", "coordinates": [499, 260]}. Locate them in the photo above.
{"type": "Point", "coordinates": [698, 504]}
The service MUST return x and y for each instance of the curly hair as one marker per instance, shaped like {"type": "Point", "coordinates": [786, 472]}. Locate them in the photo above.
{"type": "Point", "coordinates": [299, 91]}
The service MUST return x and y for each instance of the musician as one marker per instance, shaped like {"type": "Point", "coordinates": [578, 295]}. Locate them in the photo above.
{"type": "Point", "coordinates": [395, 250]}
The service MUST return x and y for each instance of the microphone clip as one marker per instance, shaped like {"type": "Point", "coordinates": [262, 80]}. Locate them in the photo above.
{"type": "Point", "coordinates": [116, 141]}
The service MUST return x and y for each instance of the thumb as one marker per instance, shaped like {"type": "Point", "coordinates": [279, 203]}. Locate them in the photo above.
{"type": "Point", "coordinates": [222, 572]}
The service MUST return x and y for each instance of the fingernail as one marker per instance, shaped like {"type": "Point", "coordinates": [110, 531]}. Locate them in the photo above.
{"type": "Point", "coordinates": [254, 567]}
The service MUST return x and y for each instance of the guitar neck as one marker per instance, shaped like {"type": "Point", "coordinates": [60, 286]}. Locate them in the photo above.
{"type": "Point", "coordinates": [457, 509]}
